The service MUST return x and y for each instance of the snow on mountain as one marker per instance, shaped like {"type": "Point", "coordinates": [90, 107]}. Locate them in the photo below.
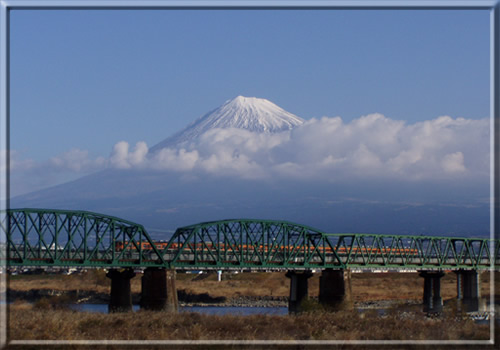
{"type": "Point", "coordinates": [249, 113]}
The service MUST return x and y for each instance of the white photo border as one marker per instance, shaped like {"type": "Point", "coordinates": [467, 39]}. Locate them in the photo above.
{"type": "Point", "coordinates": [7, 6]}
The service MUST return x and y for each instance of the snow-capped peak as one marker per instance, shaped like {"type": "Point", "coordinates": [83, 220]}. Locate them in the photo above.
{"type": "Point", "coordinates": [249, 113]}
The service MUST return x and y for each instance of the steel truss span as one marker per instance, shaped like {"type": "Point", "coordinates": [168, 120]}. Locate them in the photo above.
{"type": "Point", "coordinates": [43, 237]}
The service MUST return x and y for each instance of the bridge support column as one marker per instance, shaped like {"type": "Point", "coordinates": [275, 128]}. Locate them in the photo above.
{"type": "Point", "coordinates": [158, 290]}
{"type": "Point", "coordinates": [469, 290]}
{"type": "Point", "coordinates": [432, 302]}
{"type": "Point", "coordinates": [298, 289]}
{"type": "Point", "coordinates": [121, 296]}
{"type": "Point", "coordinates": [335, 290]}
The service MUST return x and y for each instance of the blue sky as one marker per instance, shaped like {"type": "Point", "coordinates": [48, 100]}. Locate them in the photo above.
{"type": "Point", "coordinates": [88, 79]}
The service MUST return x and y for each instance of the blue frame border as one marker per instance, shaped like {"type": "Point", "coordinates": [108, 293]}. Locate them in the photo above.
{"type": "Point", "coordinates": [493, 5]}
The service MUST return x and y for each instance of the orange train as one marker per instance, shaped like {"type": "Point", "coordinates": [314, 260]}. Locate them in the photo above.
{"type": "Point", "coordinates": [145, 246]}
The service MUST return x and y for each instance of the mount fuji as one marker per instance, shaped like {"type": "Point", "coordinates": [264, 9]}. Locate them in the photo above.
{"type": "Point", "coordinates": [249, 113]}
{"type": "Point", "coordinates": [163, 200]}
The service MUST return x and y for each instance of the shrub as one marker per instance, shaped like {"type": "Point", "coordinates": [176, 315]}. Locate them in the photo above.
{"type": "Point", "coordinates": [310, 305]}
{"type": "Point", "coordinates": [42, 304]}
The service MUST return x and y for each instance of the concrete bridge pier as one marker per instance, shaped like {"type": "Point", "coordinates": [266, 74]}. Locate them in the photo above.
{"type": "Point", "coordinates": [121, 296]}
{"type": "Point", "coordinates": [469, 290]}
{"type": "Point", "coordinates": [335, 290]}
{"type": "Point", "coordinates": [298, 289]}
{"type": "Point", "coordinates": [158, 290]}
{"type": "Point", "coordinates": [432, 302]}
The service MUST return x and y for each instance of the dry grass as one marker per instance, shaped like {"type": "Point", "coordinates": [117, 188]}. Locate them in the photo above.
{"type": "Point", "coordinates": [49, 319]}
{"type": "Point", "coordinates": [235, 285]}
{"type": "Point", "coordinates": [94, 280]}
{"type": "Point", "coordinates": [69, 325]}
{"type": "Point", "coordinates": [365, 286]}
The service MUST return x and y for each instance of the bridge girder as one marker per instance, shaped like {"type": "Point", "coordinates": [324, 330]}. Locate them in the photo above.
{"type": "Point", "coordinates": [249, 243]}
{"type": "Point", "coordinates": [44, 237]}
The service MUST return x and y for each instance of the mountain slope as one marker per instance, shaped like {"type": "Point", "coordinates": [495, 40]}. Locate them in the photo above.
{"type": "Point", "coordinates": [249, 113]}
{"type": "Point", "coordinates": [164, 201]}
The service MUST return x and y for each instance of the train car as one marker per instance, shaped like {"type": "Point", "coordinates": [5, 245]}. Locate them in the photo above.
{"type": "Point", "coordinates": [161, 245]}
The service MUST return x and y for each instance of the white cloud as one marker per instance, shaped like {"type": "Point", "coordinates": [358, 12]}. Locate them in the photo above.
{"type": "Point", "coordinates": [138, 156]}
{"type": "Point", "coordinates": [320, 149]}
{"type": "Point", "coordinates": [119, 156]}
{"type": "Point", "coordinates": [365, 160]}
{"type": "Point", "coordinates": [453, 162]}
{"type": "Point", "coordinates": [27, 175]}
{"type": "Point", "coordinates": [375, 145]}
{"type": "Point", "coordinates": [76, 161]}
{"type": "Point", "coordinates": [173, 159]}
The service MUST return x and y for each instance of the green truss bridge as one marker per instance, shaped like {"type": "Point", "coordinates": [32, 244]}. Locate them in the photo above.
{"type": "Point", "coordinates": [43, 237]}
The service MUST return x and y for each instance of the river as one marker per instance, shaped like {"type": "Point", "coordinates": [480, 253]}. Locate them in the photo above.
{"type": "Point", "coordinates": [210, 310]}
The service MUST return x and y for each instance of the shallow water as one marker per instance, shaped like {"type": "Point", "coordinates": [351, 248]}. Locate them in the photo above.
{"type": "Point", "coordinates": [210, 310]}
